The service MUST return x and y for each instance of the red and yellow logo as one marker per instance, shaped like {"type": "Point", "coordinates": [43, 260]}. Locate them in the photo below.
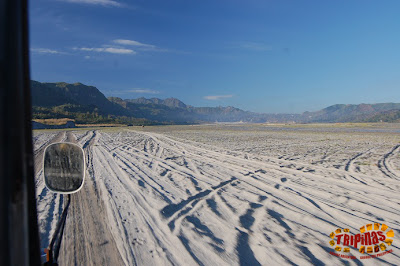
{"type": "Point", "coordinates": [373, 239]}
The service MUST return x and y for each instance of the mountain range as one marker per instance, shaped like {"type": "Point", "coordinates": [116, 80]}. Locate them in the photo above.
{"type": "Point", "coordinates": [86, 104]}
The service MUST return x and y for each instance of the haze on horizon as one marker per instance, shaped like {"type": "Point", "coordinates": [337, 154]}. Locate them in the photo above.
{"type": "Point", "coordinates": [262, 56]}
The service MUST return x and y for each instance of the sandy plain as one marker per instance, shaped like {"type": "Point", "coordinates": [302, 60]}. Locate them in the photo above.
{"type": "Point", "coordinates": [225, 194]}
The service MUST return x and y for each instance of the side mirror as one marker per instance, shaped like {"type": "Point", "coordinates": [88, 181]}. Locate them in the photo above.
{"type": "Point", "coordinates": [64, 167]}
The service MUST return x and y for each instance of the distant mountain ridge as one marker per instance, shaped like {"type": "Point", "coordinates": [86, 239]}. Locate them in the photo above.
{"type": "Point", "coordinates": [349, 112]}
{"type": "Point", "coordinates": [87, 104]}
{"type": "Point", "coordinates": [386, 112]}
{"type": "Point", "coordinates": [173, 110]}
{"type": "Point", "coordinates": [170, 102]}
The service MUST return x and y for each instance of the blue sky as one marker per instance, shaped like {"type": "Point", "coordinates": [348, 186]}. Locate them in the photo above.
{"type": "Point", "coordinates": [258, 55]}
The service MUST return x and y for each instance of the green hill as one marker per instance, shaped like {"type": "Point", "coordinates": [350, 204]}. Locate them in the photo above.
{"type": "Point", "coordinates": [84, 104]}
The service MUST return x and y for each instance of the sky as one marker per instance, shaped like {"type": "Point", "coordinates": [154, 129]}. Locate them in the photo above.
{"type": "Point", "coordinates": [269, 56]}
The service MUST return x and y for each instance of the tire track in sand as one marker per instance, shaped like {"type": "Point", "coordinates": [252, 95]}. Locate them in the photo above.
{"type": "Point", "coordinates": [87, 237]}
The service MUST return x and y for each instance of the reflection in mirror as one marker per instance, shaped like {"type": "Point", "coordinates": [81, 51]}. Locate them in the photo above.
{"type": "Point", "coordinates": [64, 167]}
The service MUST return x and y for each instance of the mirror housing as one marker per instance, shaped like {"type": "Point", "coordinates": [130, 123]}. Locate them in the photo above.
{"type": "Point", "coordinates": [64, 167]}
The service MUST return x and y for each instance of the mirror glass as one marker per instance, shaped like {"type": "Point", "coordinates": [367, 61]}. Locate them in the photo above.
{"type": "Point", "coordinates": [64, 167]}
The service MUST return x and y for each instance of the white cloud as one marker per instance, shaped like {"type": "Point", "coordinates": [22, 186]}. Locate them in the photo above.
{"type": "Point", "coordinates": [217, 97]}
{"type": "Point", "coordinates": [139, 45]}
{"type": "Point", "coordinates": [111, 50]}
{"type": "Point", "coordinates": [45, 51]}
{"type": "Point", "coordinates": [96, 2]}
{"type": "Point", "coordinates": [133, 43]}
{"type": "Point", "coordinates": [146, 91]}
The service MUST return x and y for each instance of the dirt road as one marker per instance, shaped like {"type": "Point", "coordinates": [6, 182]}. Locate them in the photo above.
{"type": "Point", "coordinates": [87, 239]}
